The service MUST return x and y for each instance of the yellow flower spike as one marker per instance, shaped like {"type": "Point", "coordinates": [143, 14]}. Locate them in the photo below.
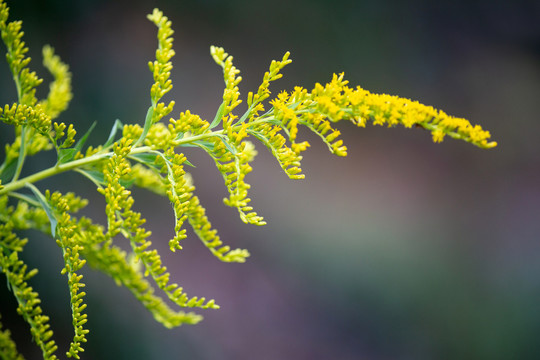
{"type": "Point", "coordinates": [17, 275]}
{"type": "Point", "coordinates": [60, 89]}
{"type": "Point", "coordinates": [67, 240]}
{"type": "Point", "coordinates": [231, 93]}
{"type": "Point", "coordinates": [25, 80]}
{"type": "Point", "coordinates": [148, 156]}
{"type": "Point", "coordinates": [130, 226]}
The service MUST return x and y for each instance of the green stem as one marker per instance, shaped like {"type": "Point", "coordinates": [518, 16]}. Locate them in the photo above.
{"type": "Point", "coordinates": [57, 169]}
{"type": "Point", "coordinates": [22, 153]}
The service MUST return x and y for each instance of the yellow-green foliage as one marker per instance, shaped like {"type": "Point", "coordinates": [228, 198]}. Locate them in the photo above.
{"type": "Point", "coordinates": [150, 155]}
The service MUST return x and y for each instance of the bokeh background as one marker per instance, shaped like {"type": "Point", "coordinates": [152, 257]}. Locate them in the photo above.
{"type": "Point", "coordinates": [403, 250]}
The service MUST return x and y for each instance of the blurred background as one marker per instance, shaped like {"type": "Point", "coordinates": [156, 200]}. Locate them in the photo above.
{"type": "Point", "coordinates": [403, 250]}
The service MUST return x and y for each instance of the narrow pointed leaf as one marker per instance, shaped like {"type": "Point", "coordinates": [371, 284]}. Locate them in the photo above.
{"type": "Point", "coordinates": [45, 205]}
{"type": "Point", "coordinates": [147, 125]}
{"type": "Point", "coordinates": [217, 118]}
{"type": "Point", "coordinates": [117, 125]}
{"type": "Point", "coordinates": [78, 146]}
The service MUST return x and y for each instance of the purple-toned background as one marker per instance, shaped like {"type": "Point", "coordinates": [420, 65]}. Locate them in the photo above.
{"type": "Point", "coordinates": [403, 250]}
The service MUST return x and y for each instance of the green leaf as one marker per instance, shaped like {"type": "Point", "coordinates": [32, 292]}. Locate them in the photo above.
{"type": "Point", "coordinates": [149, 159]}
{"type": "Point", "coordinates": [187, 162]}
{"type": "Point", "coordinates": [225, 140]}
{"type": "Point", "coordinates": [258, 135]}
{"type": "Point", "coordinates": [219, 115]}
{"type": "Point", "coordinates": [275, 122]}
{"type": "Point", "coordinates": [95, 176]}
{"type": "Point", "coordinates": [28, 198]}
{"type": "Point", "coordinates": [199, 143]}
{"type": "Point", "coordinates": [80, 143]}
{"type": "Point", "coordinates": [98, 179]}
{"type": "Point", "coordinates": [147, 125]}
{"type": "Point", "coordinates": [145, 158]}
{"type": "Point", "coordinates": [65, 155]}
{"type": "Point", "coordinates": [45, 205]}
{"type": "Point", "coordinates": [8, 171]}
{"type": "Point", "coordinates": [127, 183]}
{"type": "Point", "coordinates": [245, 116]}
{"type": "Point", "coordinates": [117, 125]}
{"type": "Point", "coordinates": [179, 136]}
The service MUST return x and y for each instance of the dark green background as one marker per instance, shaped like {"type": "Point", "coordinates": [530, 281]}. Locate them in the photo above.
{"type": "Point", "coordinates": [403, 250]}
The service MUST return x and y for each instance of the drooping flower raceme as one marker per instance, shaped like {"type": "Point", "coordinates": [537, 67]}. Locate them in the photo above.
{"type": "Point", "coordinates": [151, 155]}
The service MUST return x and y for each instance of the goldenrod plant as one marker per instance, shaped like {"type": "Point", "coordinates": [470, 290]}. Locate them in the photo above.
{"type": "Point", "coordinates": [150, 154]}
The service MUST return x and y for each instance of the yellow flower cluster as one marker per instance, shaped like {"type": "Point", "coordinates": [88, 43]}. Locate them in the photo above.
{"type": "Point", "coordinates": [234, 169]}
{"type": "Point", "coordinates": [187, 123]}
{"type": "Point", "coordinates": [150, 156]}
{"type": "Point", "coordinates": [9, 348]}
{"type": "Point", "coordinates": [66, 235]}
{"type": "Point", "coordinates": [392, 110]}
{"type": "Point", "coordinates": [21, 217]}
{"type": "Point", "coordinates": [20, 115]}
{"type": "Point", "coordinates": [202, 227]}
{"type": "Point", "coordinates": [336, 101]}
{"type": "Point", "coordinates": [179, 192]}
{"type": "Point", "coordinates": [162, 66]}
{"type": "Point", "coordinates": [287, 157]}
{"type": "Point", "coordinates": [161, 71]}
{"type": "Point", "coordinates": [255, 101]}
{"type": "Point", "coordinates": [32, 120]}
{"type": "Point", "coordinates": [33, 125]}
{"type": "Point", "coordinates": [25, 80]}
{"type": "Point", "coordinates": [18, 275]}
{"type": "Point", "coordinates": [60, 89]}
{"type": "Point", "coordinates": [113, 261]}
{"type": "Point", "coordinates": [122, 219]}
{"type": "Point", "coordinates": [116, 195]}
{"type": "Point", "coordinates": [59, 132]}
{"type": "Point", "coordinates": [231, 93]}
